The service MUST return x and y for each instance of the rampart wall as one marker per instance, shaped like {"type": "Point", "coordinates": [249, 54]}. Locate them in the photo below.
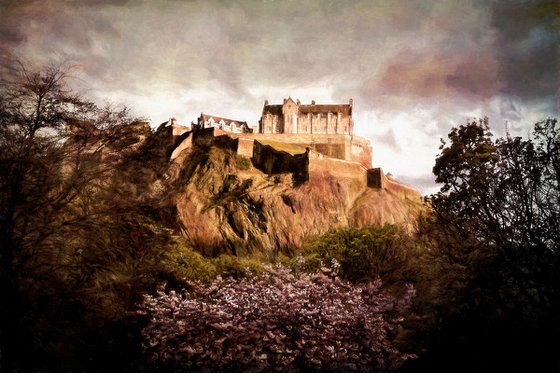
{"type": "Point", "coordinates": [317, 160]}
{"type": "Point", "coordinates": [338, 169]}
{"type": "Point", "coordinates": [344, 147]}
{"type": "Point", "coordinates": [245, 147]}
{"type": "Point", "coordinates": [376, 178]}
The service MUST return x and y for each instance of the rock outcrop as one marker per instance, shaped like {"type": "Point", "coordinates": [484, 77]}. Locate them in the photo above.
{"type": "Point", "coordinates": [225, 204]}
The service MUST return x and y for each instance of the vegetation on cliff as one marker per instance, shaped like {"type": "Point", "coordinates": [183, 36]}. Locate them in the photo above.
{"type": "Point", "coordinates": [225, 205]}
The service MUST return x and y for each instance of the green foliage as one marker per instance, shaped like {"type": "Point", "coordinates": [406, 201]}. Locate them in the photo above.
{"type": "Point", "coordinates": [365, 253]}
{"type": "Point", "coordinates": [238, 267]}
{"type": "Point", "coordinates": [189, 265]}
{"type": "Point", "coordinates": [243, 163]}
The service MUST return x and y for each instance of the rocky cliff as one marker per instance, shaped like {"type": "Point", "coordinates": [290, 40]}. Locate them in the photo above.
{"type": "Point", "coordinates": [224, 204]}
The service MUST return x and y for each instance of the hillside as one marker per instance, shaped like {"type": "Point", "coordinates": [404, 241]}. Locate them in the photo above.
{"type": "Point", "coordinates": [224, 204]}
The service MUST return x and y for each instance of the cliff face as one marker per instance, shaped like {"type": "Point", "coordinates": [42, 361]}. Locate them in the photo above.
{"type": "Point", "coordinates": [224, 204]}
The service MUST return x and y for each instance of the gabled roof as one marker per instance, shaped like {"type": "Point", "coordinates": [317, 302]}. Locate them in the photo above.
{"type": "Point", "coordinates": [217, 119]}
{"type": "Point", "coordinates": [289, 99]}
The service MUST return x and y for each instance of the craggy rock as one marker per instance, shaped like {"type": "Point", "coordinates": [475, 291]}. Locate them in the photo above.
{"type": "Point", "coordinates": [224, 208]}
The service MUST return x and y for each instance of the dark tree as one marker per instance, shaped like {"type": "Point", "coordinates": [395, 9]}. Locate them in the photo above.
{"type": "Point", "coordinates": [497, 220]}
{"type": "Point", "coordinates": [77, 247]}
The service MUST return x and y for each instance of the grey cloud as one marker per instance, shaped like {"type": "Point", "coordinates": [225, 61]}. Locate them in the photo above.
{"type": "Point", "coordinates": [426, 184]}
{"type": "Point", "coordinates": [510, 110]}
{"type": "Point", "coordinates": [527, 47]}
{"type": "Point", "coordinates": [388, 55]}
{"type": "Point", "coordinates": [389, 138]}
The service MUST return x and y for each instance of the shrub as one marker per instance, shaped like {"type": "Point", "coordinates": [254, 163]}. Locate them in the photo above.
{"type": "Point", "coordinates": [243, 163]}
{"type": "Point", "coordinates": [282, 320]}
{"type": "Point", "coordinates": [237, 267]}
{"type": "Point", "coordinates": [365, 254]}
{"type": "Point", "coordinates": [190, 265]}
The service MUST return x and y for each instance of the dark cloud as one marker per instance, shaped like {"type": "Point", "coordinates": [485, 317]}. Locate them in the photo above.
{"type": "Point", "coordinates": [527, 47]}
{"type": "Point", "coordinates": [440, 75]}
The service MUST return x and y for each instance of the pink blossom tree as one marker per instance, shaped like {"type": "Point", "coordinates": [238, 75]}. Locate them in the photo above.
{"type": "Point", "coordinates": [281, 321]}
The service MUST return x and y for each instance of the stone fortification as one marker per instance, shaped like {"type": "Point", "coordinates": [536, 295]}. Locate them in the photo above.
{"type": "Point", "coordinates": [304, 164]}
{"type": "Point", "coordinates": [295, 117]}
{"type": "Point", "coordinates": [272, 161]}
{"type": "Point", "coordinates": [343, 147]}
{"type": "Point", "coordinates": [305, 140]}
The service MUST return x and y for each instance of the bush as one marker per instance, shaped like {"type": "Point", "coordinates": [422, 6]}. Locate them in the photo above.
{"type": "Point", "coordinates": [282, 320]}
{"type": "Point", "coordinates": [189, 265]}
{"type": "Point", "coordinates": [237, 267]}
{"type": "Point", "coordinates": [243, 163]}
{"type": "Point", "coordinates": [365, 254]}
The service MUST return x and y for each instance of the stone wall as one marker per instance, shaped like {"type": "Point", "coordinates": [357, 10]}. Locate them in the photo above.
{"type": "Point", "coordinates": [214, 137]}
{"type": "Point", "coordinates": [185, 141]}
{"type": "Point", "coordinates": [375, 178]}
{"type": "Point", "coordinates": [345, 147]}
{"type": "Point", "coordinates": [204, 136]}
{"type": "Point", "coordinates": [361, 151]}
{"type": "Point", "coordinates": [337, 168]}
{"type": "Point", "coordinates": [245, 147]}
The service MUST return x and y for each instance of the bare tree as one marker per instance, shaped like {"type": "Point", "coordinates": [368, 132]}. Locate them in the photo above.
{"type": "Point", "coordinates": [65, 221]}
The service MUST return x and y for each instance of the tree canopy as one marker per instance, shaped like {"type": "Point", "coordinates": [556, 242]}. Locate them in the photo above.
{"type": "Point", "coordinates": [498, 241]}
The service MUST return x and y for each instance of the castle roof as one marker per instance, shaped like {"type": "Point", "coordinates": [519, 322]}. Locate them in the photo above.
{"type": "Point", "coordinates": [345, 109]}
{"type": "Point", "coordinates": [217, 119]}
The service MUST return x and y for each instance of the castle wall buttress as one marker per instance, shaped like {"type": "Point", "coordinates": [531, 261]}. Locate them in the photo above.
{"type": "Point", "coordinates": [323, 124]}
{"type": "Point", "coordinates": [278, 125]}
{"type": "Point", "coordinates": [314, 126]}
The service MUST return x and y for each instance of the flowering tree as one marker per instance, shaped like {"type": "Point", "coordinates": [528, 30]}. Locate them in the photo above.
{"type": "Point", "coordinates": [282, 321]}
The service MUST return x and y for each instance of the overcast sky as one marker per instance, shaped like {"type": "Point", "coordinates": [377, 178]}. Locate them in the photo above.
{"type": "Point", "coordinates": [413, 68]}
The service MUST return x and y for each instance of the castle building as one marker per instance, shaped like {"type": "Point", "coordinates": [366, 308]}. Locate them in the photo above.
{"type": "Point", "coordinates": [294, 118]}
{"type": "Point", "coordinates": [225, 124]}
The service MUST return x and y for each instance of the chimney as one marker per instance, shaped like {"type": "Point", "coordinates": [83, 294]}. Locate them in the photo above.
{"type": "Point", "coordinates": [285, 100]}
{"type": "Point", "coordinates": [312, 102]}
{"type": "Point", "coordinates": [265, 102]}
{"type": "Point", "coordinates": [350, 102]}
{"type": "Point", "coordinates": [298, 102]}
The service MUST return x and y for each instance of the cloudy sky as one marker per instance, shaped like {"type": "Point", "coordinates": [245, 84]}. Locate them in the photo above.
{"type": "Point", "coordinates": [413, 68]}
